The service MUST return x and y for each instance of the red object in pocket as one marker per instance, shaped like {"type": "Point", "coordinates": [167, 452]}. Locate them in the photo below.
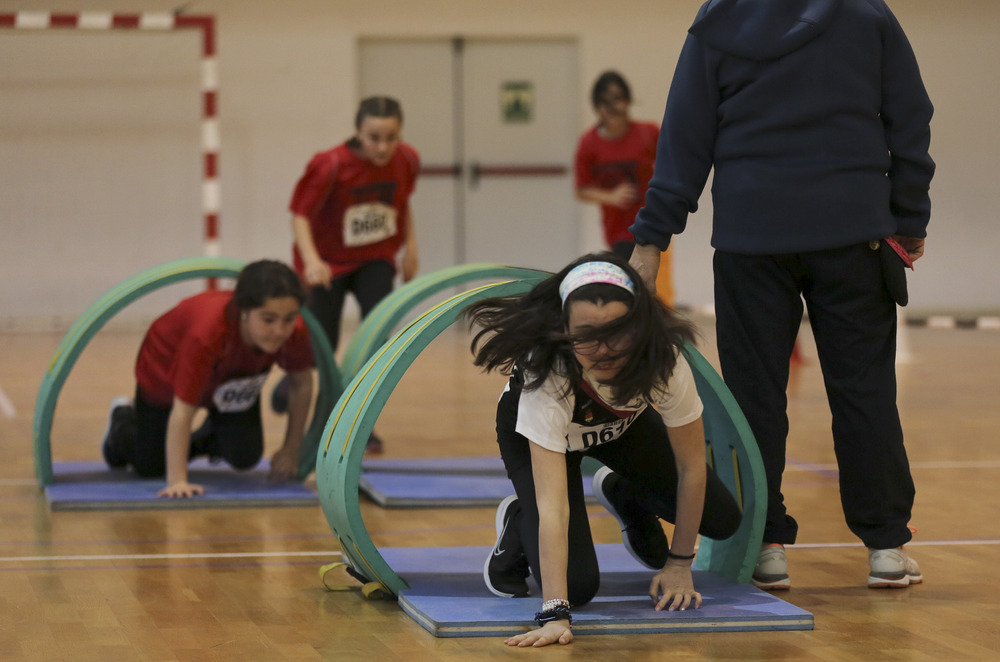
{"type": "Point", "coordinates": [900, 251]}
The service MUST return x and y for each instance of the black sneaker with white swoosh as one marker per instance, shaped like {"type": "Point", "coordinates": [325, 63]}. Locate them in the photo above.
{"type": "Point", "coordinates": [506, 569]}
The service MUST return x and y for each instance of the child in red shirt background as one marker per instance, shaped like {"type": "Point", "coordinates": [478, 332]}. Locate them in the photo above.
{"type": "Point", "coordinates": [613, 164]}
{"type": "Point", "coordinates": [350, 218]}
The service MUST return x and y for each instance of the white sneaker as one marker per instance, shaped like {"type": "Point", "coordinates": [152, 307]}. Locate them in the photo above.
{"type": "Point", "coordinates": [892, 568]}
{"type": "Point", "coordinates": [771, 571]}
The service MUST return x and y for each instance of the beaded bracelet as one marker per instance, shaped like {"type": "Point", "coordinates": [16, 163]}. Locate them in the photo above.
{"type": "Point", "coordinates": [552, 604]}
{"type": "Point", "coordinates": [678, 557]}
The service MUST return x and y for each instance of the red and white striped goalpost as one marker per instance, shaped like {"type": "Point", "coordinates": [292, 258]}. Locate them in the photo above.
{"type": "Point", "coordinates": [158, 22]}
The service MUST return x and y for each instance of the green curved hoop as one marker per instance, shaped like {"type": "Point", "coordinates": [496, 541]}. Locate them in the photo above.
{"type": "Point", "coordinates": [731, 449]}
{"type": "Point", "coordinates": [117, 298]}
{"type": "Point", "coordinates": [342, 447]}
{"type": "Point", "coordinates": [379, 324]}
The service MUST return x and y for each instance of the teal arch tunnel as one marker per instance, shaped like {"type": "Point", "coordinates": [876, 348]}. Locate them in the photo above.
{"type": "Point", "coordinates": [730, 449]}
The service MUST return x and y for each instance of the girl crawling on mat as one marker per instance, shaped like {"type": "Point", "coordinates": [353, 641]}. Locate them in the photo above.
{"type": "Point", "coordinates": [595, 370]}
{"type": "Point", "coordinates": [214, 350]}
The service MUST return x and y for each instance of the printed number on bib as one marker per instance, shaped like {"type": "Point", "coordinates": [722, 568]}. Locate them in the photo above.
{"type": "Point", "coordinates": [369, 223]}
{"type": "Point", "coordinates": [582, 437]}
{"type": "Point", "coordinates": [238, 394]}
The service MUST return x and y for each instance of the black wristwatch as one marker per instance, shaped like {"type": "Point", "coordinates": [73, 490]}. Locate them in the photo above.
{"type": "Point", "coordinates": [559, 613]}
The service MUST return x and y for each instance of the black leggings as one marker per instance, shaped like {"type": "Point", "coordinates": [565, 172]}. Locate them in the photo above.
{"type": "Point", "coordinates": [644, 459]}
{"type": "Point", "coordinates": [237, 438]}
{"type": "Point", "coordinates": [369, 284]}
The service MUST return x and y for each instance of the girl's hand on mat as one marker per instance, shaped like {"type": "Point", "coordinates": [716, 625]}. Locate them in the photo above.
{"type": "Point", "coordinates": [672, 588]}
{"type": "Point", "coordinates": [180, 490]}
{"type": "Point", "coordinates": [551, 633]}
{"type": "Point", "coordinates": [284, 465]}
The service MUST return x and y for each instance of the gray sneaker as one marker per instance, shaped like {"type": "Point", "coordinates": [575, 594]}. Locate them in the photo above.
{"type": "Point", "coordinates": [771, 571]}
{"type": "Point", "coordinates": [892, 568]}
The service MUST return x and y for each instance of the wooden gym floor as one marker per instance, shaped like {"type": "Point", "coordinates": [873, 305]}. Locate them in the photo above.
{"type": "Point", "coordinates": [243, 584]}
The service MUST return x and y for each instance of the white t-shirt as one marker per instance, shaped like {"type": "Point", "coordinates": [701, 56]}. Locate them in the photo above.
{"type": "Point", "coordinates": [555, 422]}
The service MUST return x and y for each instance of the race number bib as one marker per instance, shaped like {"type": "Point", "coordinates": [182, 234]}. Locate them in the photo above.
{"type": "Point", "coordinates": [581, 437]}
{"type": "Point", "coordinates": [368, 223]}
{"type": "Point", "coordinates": [238, 394]}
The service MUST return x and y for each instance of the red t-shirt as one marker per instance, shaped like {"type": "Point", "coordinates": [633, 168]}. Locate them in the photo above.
{"type": "Point", "coordinates": [604, 164]}
{"type": "Point", "coordinates": [195, 351]}
{"type": "Point", "coordinates": [358, 212]}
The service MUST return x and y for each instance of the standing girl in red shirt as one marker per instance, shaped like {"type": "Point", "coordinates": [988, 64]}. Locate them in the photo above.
{"type": "Point", "coordinates": [351, 216]}
{"type": "Point", "coordinates": [213, 351]}
{"type": "Point", "coordinates": [613, 164]}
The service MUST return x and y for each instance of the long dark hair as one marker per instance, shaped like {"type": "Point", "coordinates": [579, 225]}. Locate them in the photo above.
{"type": "Point", "coordinates": [529, 332]}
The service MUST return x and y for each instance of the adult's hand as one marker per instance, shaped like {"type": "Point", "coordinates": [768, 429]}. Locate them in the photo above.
{"type": "Point", "coordinates": [914, 245]}
{"type": "Point", "coordinates": [646, 260]}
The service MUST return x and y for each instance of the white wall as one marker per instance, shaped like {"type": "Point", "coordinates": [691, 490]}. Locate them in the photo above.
{"type": "Point", "coordinates": [99, 152]}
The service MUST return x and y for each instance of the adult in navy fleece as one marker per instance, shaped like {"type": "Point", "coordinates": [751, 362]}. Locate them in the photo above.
{"type": "Point", "coordinates": [816, 121]}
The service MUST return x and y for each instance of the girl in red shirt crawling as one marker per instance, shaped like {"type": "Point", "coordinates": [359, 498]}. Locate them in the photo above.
{"type": "Point", "coordinates": [213, 351]}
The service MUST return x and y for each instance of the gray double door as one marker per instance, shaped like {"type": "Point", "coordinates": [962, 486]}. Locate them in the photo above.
{"type": "Point", "coordinates": [495, 123]}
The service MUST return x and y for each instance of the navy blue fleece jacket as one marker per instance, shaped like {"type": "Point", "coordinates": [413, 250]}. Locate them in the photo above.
{"type": "Point", "coordinates": [815, 118]}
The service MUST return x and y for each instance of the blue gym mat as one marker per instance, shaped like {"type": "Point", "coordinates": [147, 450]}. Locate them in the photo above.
{"type": "Point", "coordinates": [483, 465]}
{"type": "Point", "coordinates": [93, 486]}
{"type": "Point", "coordinates": [448, 598]}
{"type": "Point", "coordinates": [426, 490]}
{"type": "Point", "coordinates": [444, 481]}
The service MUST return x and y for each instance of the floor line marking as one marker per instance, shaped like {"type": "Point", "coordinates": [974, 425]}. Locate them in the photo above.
{"type": "Point", "coordinates": [912, 543]}
{"type": "Point", "coordinates": [794, 465]}
{"type": "Point", "coordinates": [148, 557]}
{"type": "Point", "coordinates": [337, 553]}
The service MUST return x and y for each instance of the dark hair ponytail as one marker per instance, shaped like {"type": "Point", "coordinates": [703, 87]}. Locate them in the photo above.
{"type": "Point", "coordinates": [374, 107]}
{"type": "Point", "coordinates": [263, 280]}
{"type": "Point", "coordinates": [378, 107]}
